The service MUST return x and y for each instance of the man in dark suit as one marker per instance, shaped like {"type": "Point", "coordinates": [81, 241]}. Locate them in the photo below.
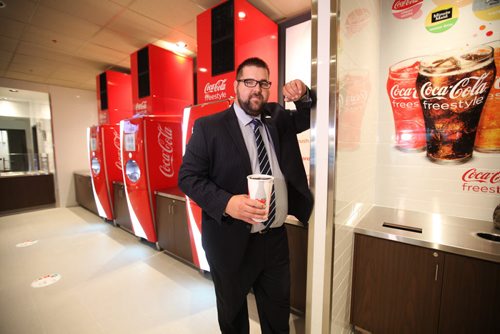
{"type": "Point", "coordinates": [224, 149]}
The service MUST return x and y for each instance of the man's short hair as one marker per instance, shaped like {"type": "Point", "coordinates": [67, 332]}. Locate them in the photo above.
{"type": "Point", "coordinates": [257, 62]}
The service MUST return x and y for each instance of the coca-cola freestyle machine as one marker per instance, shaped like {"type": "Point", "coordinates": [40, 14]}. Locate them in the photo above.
{"type": "Point", "coordinates": [227, 34]}
{"type": "Point", "coordinates": [152, 155]}
{"type": "Point", "coordinates": [193, 211]}
{"type": "Point", "coordinates": [151, 144]}
{"type": "Point", "coordinates": [114, 101]}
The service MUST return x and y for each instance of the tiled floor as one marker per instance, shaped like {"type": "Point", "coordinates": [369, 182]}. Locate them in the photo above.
{"type": "Point", "coordinates": [110, 281]}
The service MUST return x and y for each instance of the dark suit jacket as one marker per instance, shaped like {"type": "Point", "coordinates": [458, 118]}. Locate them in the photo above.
{"type": "Point", "coordinates": [215, 167]}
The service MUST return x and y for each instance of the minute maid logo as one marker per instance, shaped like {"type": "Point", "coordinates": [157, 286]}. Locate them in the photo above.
{"type": "Point", "coordinates": [441, 18]}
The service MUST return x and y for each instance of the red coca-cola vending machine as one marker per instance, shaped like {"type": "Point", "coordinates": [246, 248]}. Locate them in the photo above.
{"type": "Point", "coordinates": [162, 81]}
{"type": "Point", "coordinates": [151, 141]}
{"type": "Point", "coordinates": [114, 100]}
{"type": "Point", "coordinates": [227, 34]}
{"type": "Point", "coordinates": [193, 211]}
{"type": "Point", "coordinates": [151, 155]}
{"type": "Point", "coordinates": [114, 97]}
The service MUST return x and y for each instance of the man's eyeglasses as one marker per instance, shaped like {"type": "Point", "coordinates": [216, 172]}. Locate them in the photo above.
{"type": "Point", "coordinates": [251, 83]}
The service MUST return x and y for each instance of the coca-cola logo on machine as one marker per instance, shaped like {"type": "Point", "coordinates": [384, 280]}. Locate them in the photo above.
{"type": "Point", "coordinates": [481, 181]}
{"type": "Point", "coordinates": [215, 91]}
{"type": "Point", "coordinates": [166, 143]}
{"type": "Point", "coordinates": [116, 142]}
{"type": "Point", "coordinates": [141, 107]}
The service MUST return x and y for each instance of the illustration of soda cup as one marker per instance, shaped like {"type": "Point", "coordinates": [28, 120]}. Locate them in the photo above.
{"type": "Point", "coordinates": [406, 109]}
{"type": "Point", "coordinates": [354, 90]}
{"type": "Point", "coordinates": [453, 88]}
{"type": "Point", "coordinates": [488, 130]}
{"type": "Point", "coordinates": [488, 10]}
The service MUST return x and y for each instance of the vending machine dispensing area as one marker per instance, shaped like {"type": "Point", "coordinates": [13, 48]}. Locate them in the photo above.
{"type": "Point", "coordinates": [114, 101]}
{"type": "Point", "coordinates": [162, 86]}
{"type": "Point", "coordinates": [104, 145]}
{"type": "Point", "coordinates": [152, 155]}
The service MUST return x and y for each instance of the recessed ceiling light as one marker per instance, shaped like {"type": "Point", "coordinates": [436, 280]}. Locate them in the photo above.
{"type": "Point", "coordinates": [202, 69]}
{"type": "Point", "coordinates": [242, 15]}
{"type": "Point", "coordinates": [13, 90]}
{"type": "Point", "coordinates": [181, 44]}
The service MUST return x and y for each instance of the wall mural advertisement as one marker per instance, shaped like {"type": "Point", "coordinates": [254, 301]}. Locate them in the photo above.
{"type": "Point", "coordinates": [440, 67]}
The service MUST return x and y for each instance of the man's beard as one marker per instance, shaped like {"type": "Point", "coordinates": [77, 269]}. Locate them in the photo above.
{"type": "Point", "coordinates": [252, 109]}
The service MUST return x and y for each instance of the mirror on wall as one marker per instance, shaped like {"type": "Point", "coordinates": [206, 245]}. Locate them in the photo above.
{"type": "Point", "coordinates": [25, 131]}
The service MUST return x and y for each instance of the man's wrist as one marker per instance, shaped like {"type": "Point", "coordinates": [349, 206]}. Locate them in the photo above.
{"type": "Point", "coordinates": [306, 97]}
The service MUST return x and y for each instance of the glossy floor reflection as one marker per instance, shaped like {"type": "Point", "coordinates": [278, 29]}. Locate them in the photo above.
{"type": "Point", "coordinates": [110, 281]}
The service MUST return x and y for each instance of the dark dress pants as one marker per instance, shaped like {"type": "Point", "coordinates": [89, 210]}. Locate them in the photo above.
{"type": "Point", "coordinates": [266, 269]}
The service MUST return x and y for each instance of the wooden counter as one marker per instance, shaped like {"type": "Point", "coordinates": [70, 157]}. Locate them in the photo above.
{"type": "Point", "coordinates": [19, 190]}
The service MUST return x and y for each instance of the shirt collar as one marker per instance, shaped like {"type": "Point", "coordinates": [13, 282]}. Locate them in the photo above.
{"type": "Point", "coordinates": [242, 116]}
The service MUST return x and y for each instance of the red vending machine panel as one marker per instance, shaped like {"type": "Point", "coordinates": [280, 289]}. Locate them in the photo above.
{"type": "Point", "coordinates": [114, 97]}
{"type": "Point", "coordinates": [105, 165]}
{"type": "Point", "coordinates": [227, 34]}
{"type": "Point", "coordinates": [151, 148]}
{"type": "Point", "coordinates": [162, 81]}
{"type": "Point", "coordinates": [191, 114]}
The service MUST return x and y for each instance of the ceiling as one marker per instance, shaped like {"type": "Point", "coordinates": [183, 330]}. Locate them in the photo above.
{"type": "Point", "coordinates": [69, 42]}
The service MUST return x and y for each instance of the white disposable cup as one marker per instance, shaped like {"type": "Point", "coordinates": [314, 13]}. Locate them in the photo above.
{"type": "Point", "coordinates": [260, 187]}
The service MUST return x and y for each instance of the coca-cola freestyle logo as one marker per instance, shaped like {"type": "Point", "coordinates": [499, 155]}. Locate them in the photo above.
{"type": "Point", "coordinates": [404, 97]}
{"type": "Point", "coordinates": [481, 181]}
{"type": "Point", "coordinates": [166, 143]}
{"type": "Point", "coordinates": [141, 106]}
{"type": "Point", "coordinates": [496, 89]}
{"type": "Point", "coordinates": [215, 91]}
{"type": "Point", "coordinates": [404, 93]}
{"type": "Point", "coordinates": [463, 94]}
{"type": "Point", "coordinates": [116, 142]}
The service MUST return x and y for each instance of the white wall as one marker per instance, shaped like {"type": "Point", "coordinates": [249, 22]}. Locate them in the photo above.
{"type": "Point", "coordinates": [298, 66]}
{"type": "Point", "coordinates": [358, 60]}
{"type": "Point", "coordinates": [73, 110]}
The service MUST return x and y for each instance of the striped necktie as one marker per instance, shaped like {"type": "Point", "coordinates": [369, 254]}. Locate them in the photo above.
{"type": "Point", "coordinates": [265, 168]}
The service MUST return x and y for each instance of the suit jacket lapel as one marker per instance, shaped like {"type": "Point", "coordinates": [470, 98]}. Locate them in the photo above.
{"type": "Point", "coordinates": [233, 128]}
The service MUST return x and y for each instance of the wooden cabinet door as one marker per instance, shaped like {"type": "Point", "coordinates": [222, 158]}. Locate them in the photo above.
{"type": "Point", "coordinates": [470, 302]}
{"type": "Point", "coordinates": [165, 223]}
{"type": "Point", "coordinates": [297, 243]}
{"type": "Point", "coordinates": [181, 231]}
{"type": "Point", "coordinates": [122, 214]}
{"type": "Point", "coordinates": [84, 192]}
{"type": "Point", "coordinates": [396, 287]}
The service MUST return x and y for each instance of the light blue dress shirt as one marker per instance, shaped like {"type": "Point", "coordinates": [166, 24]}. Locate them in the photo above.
{"type": "Point", "coordinates": [280, 189]}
